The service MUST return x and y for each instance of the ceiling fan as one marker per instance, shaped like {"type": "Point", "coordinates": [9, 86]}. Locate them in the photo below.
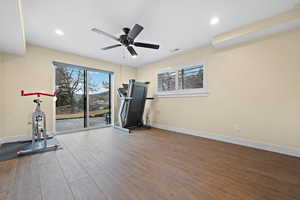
{"type": "Point", "coordinates": [127, 39]}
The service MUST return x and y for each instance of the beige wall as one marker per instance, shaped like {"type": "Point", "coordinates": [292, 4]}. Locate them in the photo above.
{"type": "Point", "coordinates": [35, 72]}
{"type": "Point", "coordinates": [254, 91]}
{"type": "Point", "coordinates": [1, 95]}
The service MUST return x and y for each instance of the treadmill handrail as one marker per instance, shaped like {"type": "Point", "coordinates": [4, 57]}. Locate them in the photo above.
{"type": "Point", "coordinates": [126, 98]}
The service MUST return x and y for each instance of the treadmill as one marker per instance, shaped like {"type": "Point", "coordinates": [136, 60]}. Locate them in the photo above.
{"type": "Point", "coordinates": [133, 98]}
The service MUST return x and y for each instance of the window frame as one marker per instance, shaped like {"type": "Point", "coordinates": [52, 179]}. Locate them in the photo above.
{"type": "Point", "coordinates": [86, 115]}
{"type": "Point", "coordinates": [184, 92]}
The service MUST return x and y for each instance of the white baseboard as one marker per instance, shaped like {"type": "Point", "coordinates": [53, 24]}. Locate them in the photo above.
{"type": "Point", "coordinates": [15, 139]}
{"type": "Point", "coordinates": [239, 141]}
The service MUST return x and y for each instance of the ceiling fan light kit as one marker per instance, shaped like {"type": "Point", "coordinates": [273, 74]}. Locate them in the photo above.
{"type": "Point", "coordinates": [127, 39]}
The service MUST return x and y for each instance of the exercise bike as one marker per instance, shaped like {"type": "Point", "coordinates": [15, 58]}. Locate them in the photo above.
{"type": "Point", "coordinates": [39, 140]}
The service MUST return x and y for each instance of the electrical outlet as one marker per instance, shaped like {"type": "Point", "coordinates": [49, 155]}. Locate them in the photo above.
{"type": "Point", "coordinates": [297, 5]}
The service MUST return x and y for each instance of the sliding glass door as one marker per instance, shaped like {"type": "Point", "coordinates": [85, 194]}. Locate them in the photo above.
{"type": "Point", "coordinates": [98, 98]}
{"type": "Point", "coordinates": [83, 98]}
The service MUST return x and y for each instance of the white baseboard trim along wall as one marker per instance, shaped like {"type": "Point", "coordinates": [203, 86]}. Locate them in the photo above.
{"type": "Point", "coordinates": [239, 141]}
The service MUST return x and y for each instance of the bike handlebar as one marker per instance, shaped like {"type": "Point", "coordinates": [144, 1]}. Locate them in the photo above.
{"type": "Point", "coordinates": [37, 93]}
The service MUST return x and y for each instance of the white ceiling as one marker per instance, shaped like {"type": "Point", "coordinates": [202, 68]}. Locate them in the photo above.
{"type": "Point", "coordinates": [173, 24]}
{"type": "Point", "coordinates": [12, 37]}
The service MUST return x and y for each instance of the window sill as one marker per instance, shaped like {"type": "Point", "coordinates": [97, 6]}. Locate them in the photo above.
{"type": "Point", "coordinates": [175, 94]}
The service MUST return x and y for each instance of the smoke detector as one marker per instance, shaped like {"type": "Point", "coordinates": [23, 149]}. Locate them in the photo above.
{"type": "Point", "coordinates": [174, 50]}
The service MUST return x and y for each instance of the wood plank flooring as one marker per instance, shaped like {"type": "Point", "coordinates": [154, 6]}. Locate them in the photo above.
{"type": "Point", "coordinates": [153, 164]}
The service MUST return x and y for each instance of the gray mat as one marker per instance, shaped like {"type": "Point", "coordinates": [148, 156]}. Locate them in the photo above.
{"type": "Point", "coordinates": [9, 151]}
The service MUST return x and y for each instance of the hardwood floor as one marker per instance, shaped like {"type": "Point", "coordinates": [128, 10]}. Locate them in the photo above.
{"type": "Point", "coordinates": [150, 164]}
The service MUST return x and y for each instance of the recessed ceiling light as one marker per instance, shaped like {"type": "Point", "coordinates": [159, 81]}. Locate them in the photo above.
{"type": "Point", "coordinates": [214, 21]}
{"type": "Point", "coordinates": [59, 32]}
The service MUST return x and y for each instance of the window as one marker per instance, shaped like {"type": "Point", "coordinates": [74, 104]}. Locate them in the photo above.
{"type": "Point", "coordinates": [190, 78]}
{"type": "Point", "coordinates": [167, 81]}
{"type": "Point", "coordinates": [186, 81]}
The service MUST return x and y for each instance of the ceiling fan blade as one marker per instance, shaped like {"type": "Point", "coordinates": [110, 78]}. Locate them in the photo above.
{"type": "Point", "coordinates": [110, 47]}
{"type": "Point", "coordinates": [135, 31]}
{"type": "Point", "coordinates": [104, 33]}
{"type": "Point", "coordinates": [132, 51]}
{"type": "Point", "coordinates": [146, 45]}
